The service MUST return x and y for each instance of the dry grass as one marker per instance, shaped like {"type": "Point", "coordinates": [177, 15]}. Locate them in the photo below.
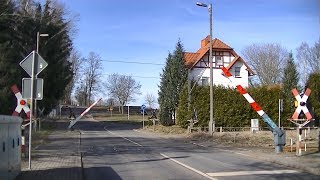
{"type": "Point", "coordinates": [166, 129]}
{"type": "Point", "coordinates": [238, 139]}
{"type": "Point", "coordinates": [119, 117]}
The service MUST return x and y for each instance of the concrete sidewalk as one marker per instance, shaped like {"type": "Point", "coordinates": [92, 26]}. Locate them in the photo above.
{"type": "Point", "coordinates": [59, 158]}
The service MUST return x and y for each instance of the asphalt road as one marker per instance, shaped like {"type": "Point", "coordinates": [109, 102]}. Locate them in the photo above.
{"type": "Point", "coordinates": [117, 151]}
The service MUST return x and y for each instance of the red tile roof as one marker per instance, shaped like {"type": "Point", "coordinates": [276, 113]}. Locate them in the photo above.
{"type": "Point", "coordinates": [192, 59]}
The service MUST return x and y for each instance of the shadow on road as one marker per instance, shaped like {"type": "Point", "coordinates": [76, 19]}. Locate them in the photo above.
{"type": "Point", "coordinates": [73, 173]}
{"type": "Point", "coordinates": [111, 125]}
{"type": "Point", "coordinates": [101, 173]}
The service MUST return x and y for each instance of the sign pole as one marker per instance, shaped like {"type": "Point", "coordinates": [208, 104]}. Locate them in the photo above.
{"type": "Point", "coordinates": [279, 112]}
{"type": "Point", "coordinates": [33, 64]}
{"type": "Point", "coordinates": [31, 108]}
{"type": "Point", "coordinates": [143, 118]}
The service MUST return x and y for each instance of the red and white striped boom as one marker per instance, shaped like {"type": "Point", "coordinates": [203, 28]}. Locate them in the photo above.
{"type": "Point", "coordinates": [72, 123]}
{"type": "Point", "coordinates": [272, 126]}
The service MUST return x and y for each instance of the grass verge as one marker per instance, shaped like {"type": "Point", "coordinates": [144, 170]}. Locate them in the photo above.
{"type": "Point", "coordinates": [40, 137]}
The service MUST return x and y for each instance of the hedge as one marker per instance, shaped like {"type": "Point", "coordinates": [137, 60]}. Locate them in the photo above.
{"type": "Point", "coordinates": [230, 107]}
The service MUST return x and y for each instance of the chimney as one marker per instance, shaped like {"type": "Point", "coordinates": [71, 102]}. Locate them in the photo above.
{"type": "Point", "coordinates": [205, 41]}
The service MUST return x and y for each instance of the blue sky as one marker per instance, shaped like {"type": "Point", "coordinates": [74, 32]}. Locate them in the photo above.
{"type": "Point", "coordinates": [146, 30]}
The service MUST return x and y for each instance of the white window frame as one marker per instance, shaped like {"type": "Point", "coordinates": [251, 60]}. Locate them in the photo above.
{"type": "Point", "coordinates": [219, 62]}
{"type": "Point", "coordinates": [235, 72]}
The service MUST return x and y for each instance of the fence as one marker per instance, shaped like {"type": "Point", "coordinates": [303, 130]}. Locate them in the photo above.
{"type": "Point", "coordinates": [310, 139]}
{"type": "Point", "coordinates": [310, 136]}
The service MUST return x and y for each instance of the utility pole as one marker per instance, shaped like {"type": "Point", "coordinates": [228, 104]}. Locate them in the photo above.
{"type": "Point", "coordinates": [211, 122]}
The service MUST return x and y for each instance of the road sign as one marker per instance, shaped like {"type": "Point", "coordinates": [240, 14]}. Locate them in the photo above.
{"type": "Point", "coordinates": [39, 62]}
{"type": "Point", "coordinates": [21, 103]}
{"type": "Point", "coordinates": [37, 90]}
{"type": "Point", "coordinates": [143, 107]}
{"type": "Point", "coordinates": [302, 102]}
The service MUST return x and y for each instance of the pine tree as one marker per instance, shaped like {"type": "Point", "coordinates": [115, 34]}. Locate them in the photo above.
{"type": "Point", "coordinates": [290, 80]}
{"type": "Point", "coordinates": [290, 77]}
{"type": "Point", "coordinates": [165, 93]}
{"type": "Point", "coordinates": [172, 81]}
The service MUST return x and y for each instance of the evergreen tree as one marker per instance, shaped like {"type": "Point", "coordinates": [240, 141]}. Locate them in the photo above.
{"type": "Point", "coordinates": [289, 81]}
{"type": "Point", "coordinates": [172, 81]}
{"type": "Point", "coordinates": [313, 83]}
{"type": "Point", "coordinates": [290, 77]}
{"type": "Point", "coordinates": [19, 24]}
{"type": "Point", "coordinates": [164, 93]}
{"type": "Point", "coordinates": [10, 72]}
{"type": "Point", "coordinates": [182, 110]}
{"type": "Point", "coordinates": [56, 51]}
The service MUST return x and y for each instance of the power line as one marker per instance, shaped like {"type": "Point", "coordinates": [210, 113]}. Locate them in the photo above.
{"type": "Point", "coordinates": [134, 62]}
{"type": "Point", "coordinates": [146, 77]}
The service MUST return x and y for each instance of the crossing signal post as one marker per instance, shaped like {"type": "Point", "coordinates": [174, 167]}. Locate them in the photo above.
{"type": "Point", "coordinates": [301, 105]}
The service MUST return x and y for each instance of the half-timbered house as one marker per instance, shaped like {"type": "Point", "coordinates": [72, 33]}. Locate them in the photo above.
{"type": "Point", "coordinates": [223, 55]}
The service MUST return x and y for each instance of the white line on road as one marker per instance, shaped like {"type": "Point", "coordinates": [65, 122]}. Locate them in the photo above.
{"type": "Point", "coordinates": [121, 137]}
{"type": "Point", "coordinates": [180, 163]}
{"type": "Point", "coordinates": [246, 173]}
{"type": "Point", "coordinates": [188, 167]}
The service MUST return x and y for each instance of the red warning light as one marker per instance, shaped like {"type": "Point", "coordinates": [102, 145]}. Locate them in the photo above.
{"type": "Point", "coordinates": [23, 102]}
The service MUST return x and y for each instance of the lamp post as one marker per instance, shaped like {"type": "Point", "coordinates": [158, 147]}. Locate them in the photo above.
{"type": "Point", "coordinates": [211, 122]}
{"type": "Point", "coordinates": [35, 101]}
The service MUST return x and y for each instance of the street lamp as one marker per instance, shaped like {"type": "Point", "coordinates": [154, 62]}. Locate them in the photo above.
{"type": "Point", "coordinates": [35, 101]}
{"type": "Point", "coordinates": [38, 37]}
{"type": "Point", "coordinates": [211, 122]}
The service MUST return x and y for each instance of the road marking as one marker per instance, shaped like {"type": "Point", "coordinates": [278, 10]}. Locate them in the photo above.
{"type": "Point", "coordinates": [245, 173]}
{"type": "Point", "coordinates": [121, 136]}
{"type": "Point", "coordinates": [188, 167]}
{"type": "Point", "coordinates": [184, 165]}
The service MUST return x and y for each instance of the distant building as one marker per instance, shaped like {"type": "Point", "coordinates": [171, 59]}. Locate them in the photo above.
{"type": "Point", "coordinates": [223, 55]}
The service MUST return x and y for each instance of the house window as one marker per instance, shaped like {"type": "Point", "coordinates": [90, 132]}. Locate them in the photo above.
{"type": "Point", "coordinates": [204, 81]}
{"type": "Point", "coordinates": [237, 72]}
{"type": "Point", "coordinates": [219, 61]}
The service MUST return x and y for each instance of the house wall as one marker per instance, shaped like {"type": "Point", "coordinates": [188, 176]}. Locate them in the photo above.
{"type": "Point", "coordinates": [218, 78]}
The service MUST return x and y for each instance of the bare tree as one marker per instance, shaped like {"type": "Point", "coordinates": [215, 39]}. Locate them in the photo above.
{"type": "Point", "coordinates": [309, 58]}
{"type": "Point", "coordinates": [81, 95]}
{"type": "Point", "coordinates": [75, 61]}
{"type": "Point", "coordinates": [151, 100]}
{"type": "Point", "coordinates": [92, 74]}
{"type": "Point", "coordinates": [122, 87]}
{"type": "Point", "coordinates": [267, 60]}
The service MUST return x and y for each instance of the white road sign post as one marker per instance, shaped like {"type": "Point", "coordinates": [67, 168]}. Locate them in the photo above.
{"type": "Point", "coordinates": [33, 64]}
{"type": "Point", "coordinates": [143, 107]}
